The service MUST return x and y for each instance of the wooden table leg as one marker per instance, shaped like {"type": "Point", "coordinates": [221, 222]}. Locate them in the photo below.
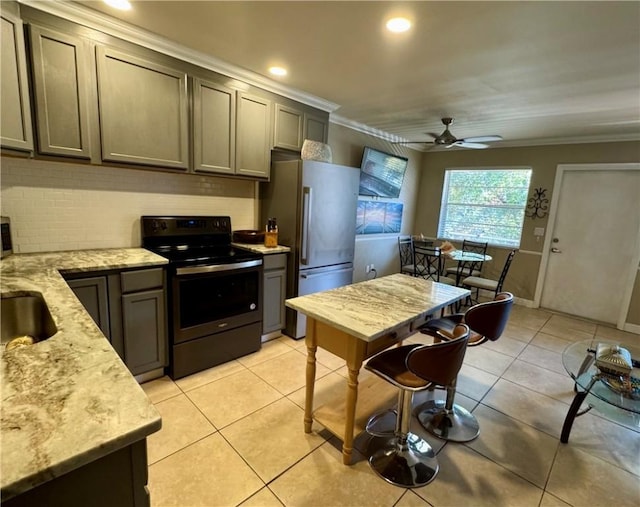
{"type": "Point", "coordinates": [312, 346]}
{"type": "Point", "coordinates": [356, 353]}
{"type": "Point", "coordinates": [352, 399]}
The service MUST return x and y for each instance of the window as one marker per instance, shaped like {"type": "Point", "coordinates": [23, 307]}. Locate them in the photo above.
{"type": "Point", "coordinates": [484, 205]}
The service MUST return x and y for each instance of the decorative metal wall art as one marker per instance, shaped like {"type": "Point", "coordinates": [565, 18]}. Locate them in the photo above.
{"type": "Point", "coordinates": [538, 205]}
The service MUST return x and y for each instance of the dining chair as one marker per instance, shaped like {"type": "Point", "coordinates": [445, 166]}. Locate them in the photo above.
{"type": "Point", "coordinates": [486, 321]}
{"type": "Point", "coordinates": [477, 282]}
{"type": "Point", "coordinates": [405, 247]}
{"type": "Point", "coordinates": [403, 458]}
{"type": "Point", "coordinates": [469, 268]}
{"type": "Point", "coordinates": [429, 263]}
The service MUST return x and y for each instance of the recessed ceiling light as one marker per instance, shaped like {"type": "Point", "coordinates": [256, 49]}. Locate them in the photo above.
{"type": "Point", "coordinates": [398, 25]}
{"type": "Point", "coordinates": [278, 71]}
{"type": "Point", "coordinates": [123, 5]}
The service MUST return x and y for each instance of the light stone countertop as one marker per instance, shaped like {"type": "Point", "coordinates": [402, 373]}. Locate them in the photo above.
{"type": "Point", "coordinates": [260, 248]}
{"type": "Point", "coordinates": [374, 308]}
{"type": "Point", "coordinates": [67, 400]}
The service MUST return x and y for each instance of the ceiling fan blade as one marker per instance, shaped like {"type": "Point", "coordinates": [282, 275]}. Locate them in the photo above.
{"type": "Point", "coordinates": [435, 136]}
{"type": "Point", "coordinates": [465, 144]}
{"type": "Point", "coordinates": [481, 139]}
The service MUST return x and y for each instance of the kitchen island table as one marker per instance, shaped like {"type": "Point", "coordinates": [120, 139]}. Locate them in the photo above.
{"type": "Point", "coordinates": [355, 322]}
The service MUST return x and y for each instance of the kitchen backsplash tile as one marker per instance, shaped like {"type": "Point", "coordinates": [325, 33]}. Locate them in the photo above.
{"type": "Point", "coordinates": [61, 206]}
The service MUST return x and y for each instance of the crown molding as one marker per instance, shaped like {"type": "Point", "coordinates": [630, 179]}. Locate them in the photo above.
{"type": "Point", "coordinates": [366, 129]}
{"type": "Point", "coordinates": [618, 138]}
{"type": "Point", "coordinates": [95, 20]}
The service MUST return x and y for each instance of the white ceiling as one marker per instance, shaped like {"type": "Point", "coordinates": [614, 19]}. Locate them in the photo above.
{"type": "Point", "coordinates": [532, 72]}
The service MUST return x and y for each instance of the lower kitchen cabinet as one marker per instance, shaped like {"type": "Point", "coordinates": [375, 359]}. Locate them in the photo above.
{"type": "Point", "coordinates": [94, 296]}
{"type": "Point", "coordinates": [144, 329]}
{"type": "Point", "coordinates": [129, 308]}
{"type": "Point", "coordinates": [119, 478]}
{"type": "Point", "coordinates": [275, 286]}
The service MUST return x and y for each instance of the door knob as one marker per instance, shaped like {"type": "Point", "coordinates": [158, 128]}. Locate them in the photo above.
{"type": "Point", "coordinates": [556, 250]}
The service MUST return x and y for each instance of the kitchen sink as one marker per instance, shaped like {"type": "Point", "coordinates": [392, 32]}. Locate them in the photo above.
{"type": "Point", "coordinates": [25, 316]}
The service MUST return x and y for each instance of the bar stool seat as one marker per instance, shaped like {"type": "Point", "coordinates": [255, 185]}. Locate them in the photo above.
{"type": "Point", "coordinates": [404, 458]}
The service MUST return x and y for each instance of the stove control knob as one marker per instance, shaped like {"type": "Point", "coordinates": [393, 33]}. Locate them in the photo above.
{"type": "Point", "coordinates": [252, 306]}
{"type": "Point", "coordinates": [163, 225]}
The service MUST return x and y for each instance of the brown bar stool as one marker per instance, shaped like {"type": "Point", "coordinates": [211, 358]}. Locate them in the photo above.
{"type": "Point", "coordinates": [487, 321]}
{"type": "Point", "coordinates": [405, 459]}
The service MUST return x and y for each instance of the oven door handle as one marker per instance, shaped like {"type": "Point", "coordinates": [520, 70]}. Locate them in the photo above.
{"type": "Point", "coordinates": [218, 267]}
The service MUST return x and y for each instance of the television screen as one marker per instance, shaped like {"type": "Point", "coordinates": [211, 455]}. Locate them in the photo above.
{"type": "Point", "coordinates": [381, 173]}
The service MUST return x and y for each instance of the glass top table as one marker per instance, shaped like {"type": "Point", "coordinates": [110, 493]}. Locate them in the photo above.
{"type": "Point", "coordinates": [615, 391]}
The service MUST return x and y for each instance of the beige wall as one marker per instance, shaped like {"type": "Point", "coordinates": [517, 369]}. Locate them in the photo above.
{"type": "Point", "coordinates": [543, 160]}
{"type": "Point", "coordinates": [381, 250]}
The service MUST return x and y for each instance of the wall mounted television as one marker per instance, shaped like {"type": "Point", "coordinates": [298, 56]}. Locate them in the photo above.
{"type": "Point", "coordinates": [381, 173]}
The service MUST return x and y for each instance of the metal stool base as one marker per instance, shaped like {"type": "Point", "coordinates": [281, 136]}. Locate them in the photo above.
{"type": "Point", "coordinates": [410, 466]}
{"type": "Point", "coordinates": [457, 425]}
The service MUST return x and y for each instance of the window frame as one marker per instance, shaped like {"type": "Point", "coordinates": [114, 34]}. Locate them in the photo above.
{"type": "Point", "coordinates": [444, 203]}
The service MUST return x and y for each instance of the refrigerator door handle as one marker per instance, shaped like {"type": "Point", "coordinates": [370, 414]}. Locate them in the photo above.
{"type": "Point", "coordinates": [306, 218]}
{"type": "Point", "coordinates": [324, 273]}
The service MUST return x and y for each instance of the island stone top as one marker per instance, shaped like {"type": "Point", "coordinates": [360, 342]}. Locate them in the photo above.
{"type": "Point", "coordinates": [260, 248]}
{"type": "Point", "coordinates": [374, 308]}
{"type": "Point", "coordinates": [67, 400]}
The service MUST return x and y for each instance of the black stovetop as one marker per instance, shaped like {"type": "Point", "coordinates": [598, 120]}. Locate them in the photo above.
{"type": "Point", "coordinates": [192, 240]}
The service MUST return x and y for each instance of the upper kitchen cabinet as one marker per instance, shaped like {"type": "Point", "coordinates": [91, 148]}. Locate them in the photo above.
{"type": "Point", "coordinates": [214, 127]}
{"type": "Point", "coordinates": [288, 128]}
{"type": "Point", "coordinates": [253, 136]}
{"type": "Point", "coordinates": [60, 64]}
{"type": "Point", "coordinates": [316, 127]}
{"type": "Point", "coordinates": [16, 130]}
{"type": "Point", "coordinates": [293, 125]}
{"type": "Point", "coordinates": [143, 111]}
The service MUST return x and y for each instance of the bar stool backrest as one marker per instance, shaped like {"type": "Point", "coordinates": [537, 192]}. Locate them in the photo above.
{"type": "Point", "coordinates": [440, 362]}
{"type": "Point", "coordinates": [490, 319]}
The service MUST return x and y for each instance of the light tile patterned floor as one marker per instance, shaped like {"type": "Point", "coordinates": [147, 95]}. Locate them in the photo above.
{"type": "Point", "coordinates": [233, 435]}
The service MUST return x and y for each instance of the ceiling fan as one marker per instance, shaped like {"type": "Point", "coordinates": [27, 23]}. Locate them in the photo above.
{"type": "Point", "coordinates": [447, 139]}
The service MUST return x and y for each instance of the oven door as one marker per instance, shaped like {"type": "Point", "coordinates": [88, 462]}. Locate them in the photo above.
{"type": "Point", "coordinates": [215, 298]}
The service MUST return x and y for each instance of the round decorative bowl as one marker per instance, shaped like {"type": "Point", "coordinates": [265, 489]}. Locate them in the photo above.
{"type": "Point", "coordinates": [248, 236]}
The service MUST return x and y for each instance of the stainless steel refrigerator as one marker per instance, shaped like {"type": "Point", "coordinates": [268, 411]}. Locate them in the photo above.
{"type": "Point", "coordinates": [315, 207]}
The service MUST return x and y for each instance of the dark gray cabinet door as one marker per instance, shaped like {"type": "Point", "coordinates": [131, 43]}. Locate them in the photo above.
{"type": "Point", "coordinates": [275, 288]}
{"type": "Point", "coordinates": [94, 296]}
{"type": "Point", "coordinates": [143, 111]}
{"type": "Point", "coordinates": [61, 78]}
{"type": "Point", "coordinates": [14, 92]}
{"type": "Point", "coordinates": [253, 136]}
{"type": "Point", "coordinates": [214, 127]}
{"type": "Point", "coordinates": [287, 129]}
{"type": "Point", "coordinates": [143, 319]}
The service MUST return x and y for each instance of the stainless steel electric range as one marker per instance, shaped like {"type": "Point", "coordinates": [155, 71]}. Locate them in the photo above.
{"type": "Point", "coordinates": [215, 291]}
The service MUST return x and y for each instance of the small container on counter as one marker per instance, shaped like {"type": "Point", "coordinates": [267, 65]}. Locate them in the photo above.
{"type": "Point", "coordinates": [271, 233]}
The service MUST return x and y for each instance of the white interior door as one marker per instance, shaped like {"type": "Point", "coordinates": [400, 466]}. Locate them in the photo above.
{"type": "Point", "coordinates": [594, 243]}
